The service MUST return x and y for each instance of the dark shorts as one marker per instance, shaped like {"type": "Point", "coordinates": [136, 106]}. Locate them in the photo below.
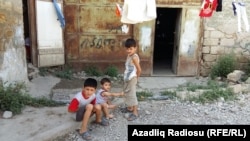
{"type": "Point", "coordinates": [80, 113]}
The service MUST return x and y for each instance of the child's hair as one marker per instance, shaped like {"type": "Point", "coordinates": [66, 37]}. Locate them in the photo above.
{"type": "Point", "coordinates": [90, 82]}
{"type": "Point", "coordinates": [130, 43]}
{"type": "Point", "coordinates": [104, 80]}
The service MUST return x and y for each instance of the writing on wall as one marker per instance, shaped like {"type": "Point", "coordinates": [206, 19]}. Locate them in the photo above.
{"type": "Point", "coordinates": [98, 42]}
{"type": "Point", "coordinates": [115, 28]}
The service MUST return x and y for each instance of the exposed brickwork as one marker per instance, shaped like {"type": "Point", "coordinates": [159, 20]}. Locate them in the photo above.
{"type": "Point", "coordinates": [221, 37]}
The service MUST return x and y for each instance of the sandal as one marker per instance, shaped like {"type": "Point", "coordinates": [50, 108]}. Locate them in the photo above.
{"type": "Point", "coordinates": [125, 110]}
{"type": "Point", "coordinates": [104, 122]}
{"type": "Point", "coordinates": [86, 136]}
{"type": "Point", "coordinates": [132, 117]}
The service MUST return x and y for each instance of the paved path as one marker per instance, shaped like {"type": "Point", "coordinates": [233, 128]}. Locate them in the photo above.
{"type": "Point", "coordinates": [44, 123]}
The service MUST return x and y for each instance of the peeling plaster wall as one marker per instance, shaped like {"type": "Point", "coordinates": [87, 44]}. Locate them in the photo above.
{"type": "Point", "coordinates": [221, 36]}
{"type": "Point", "coordinates": [13, 65]}
{"type": "Point", "coordinates": [189, 35]}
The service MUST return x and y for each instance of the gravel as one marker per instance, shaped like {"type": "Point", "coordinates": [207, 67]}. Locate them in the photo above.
{"type": "Point", "coordinates": [170, 112]}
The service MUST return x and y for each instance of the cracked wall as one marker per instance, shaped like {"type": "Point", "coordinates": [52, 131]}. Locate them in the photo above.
{"type": "Point", "coordinates": [13, 67]}
{"type": "Point", "coordinates": [221, 36]}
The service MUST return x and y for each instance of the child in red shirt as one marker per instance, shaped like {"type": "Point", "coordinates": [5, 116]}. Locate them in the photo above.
{"type": "Point", "coordinates": [84, 106]}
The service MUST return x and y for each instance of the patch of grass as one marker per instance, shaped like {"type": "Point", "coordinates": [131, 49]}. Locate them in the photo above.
{"type": "Point", "coordinates": [111, 71]}
{"type": "Point", "coordinates": [143, 95]}
{"type": "Point", "coordinates": [246, 69]}
{"type": "Point", "coordinates": [43, 71]}
{"type": "Point", "coordinates": [224, 65]}
{"type": "Point", "coordinates": [213, 91]}
{"type": "Point", "coordinates": [65, 73]}
{"type": "Point", "coordinates": [211, 84]}
{"type": "Point", "coordinates": [170, 94]}
{"type": "Point", "coordinates": [14, 97]}
{"type": "Point", "coordinates": [93, 71]}
{"type": "Point", "coordinates": [213, 95]}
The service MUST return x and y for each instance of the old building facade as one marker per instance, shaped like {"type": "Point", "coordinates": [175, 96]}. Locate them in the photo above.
{"type": "Point", "coordinates": [177, 43]}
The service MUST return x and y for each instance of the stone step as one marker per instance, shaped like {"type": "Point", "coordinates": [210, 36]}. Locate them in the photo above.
{"type": "Point", "coordinates": [33, 72]}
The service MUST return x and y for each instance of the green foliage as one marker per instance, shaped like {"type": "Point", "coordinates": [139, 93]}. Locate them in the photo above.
{"type": "Point", "coordinates": [143, 95]}
{"type": "Point", "coordinates": [213, 95]}
{"type": "Point", "coordinates": [111, 71]}
{"type": "Point", "coordinates": [93, 71]}
{"type": "Point", "coordinates": [224, 65]}
{"type": "Point", "coordinates": [66, 73]}
{"type": "Point", "coordinates": [43, 71]}
{"type": "Point", "coordinates": [247, 69]}
{"type": "Point", "coordinates": [211, 84]}
{"type": "Point", "coordinates": [213, 91]}
{"type": "Point", "coordinates": [13, 97]}
{"type": "Point", "coordinates": [170, 94]}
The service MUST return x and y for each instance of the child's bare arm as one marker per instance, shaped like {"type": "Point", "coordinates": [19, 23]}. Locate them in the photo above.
{"type": "Point", "coordinates": [137, 65]}
{"type": "Point", "coordinates": [113, 94]}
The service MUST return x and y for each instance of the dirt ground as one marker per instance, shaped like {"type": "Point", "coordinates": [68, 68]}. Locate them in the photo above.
{"type": "Point", "coordinates": [69, 84]}
{"type": "Point", "coordinates": [78, 83]}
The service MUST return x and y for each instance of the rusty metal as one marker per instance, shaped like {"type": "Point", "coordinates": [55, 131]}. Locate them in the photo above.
{"type": "Point", "coordinates": [93, 34]}
{"type": "Point", "coordinates": [177, 2]}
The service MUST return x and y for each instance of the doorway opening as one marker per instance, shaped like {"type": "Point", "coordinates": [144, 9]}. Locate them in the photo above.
{"type": "Point", "coordinates": [164, 41]}
{"type": "Point", "coordinates": [26, 31]}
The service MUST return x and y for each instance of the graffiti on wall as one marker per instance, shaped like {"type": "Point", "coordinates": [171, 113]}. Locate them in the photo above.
{"type": "Point", "coordinates": [124, 28]}
{"type": "Point", "coordinates": [98, 42]}
{"type": "Point", "coordinates": [114, 28]}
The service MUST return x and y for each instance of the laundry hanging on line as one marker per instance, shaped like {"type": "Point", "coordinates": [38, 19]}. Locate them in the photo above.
{"type": "Point", "coordinates": [138, 11]}
{"type": "Point", "coordinates": [208, 7]}
{"type": "Point", "coordinates": [239, 9]}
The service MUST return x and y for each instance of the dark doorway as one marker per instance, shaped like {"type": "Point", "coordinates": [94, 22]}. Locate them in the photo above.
{"type": "Point", "coordinates": [26, 30]}
{"type": "Point", "coordinates": [164, 41]}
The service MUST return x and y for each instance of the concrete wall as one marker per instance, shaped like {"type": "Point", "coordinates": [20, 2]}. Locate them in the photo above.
{"type": "Point", "coordinates": [221, 36]}
{"type": "Point", "coordinates": [13, 66]}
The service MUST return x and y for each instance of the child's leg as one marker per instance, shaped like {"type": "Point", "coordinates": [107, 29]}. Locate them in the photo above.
{"type": "Point", "coordinates": [86, 116]}
{"type": "Point", "coordinates": [135, 110]}
{"type": "Point", "coordinates": [105, 110]}
{"type": "Point", "coordinates": [112, 106]}
{"type": "Point", "coordinates": [129, 91]}
{"type": "Point", "coordinates": [98, 112]}
{"type": "Point", "coordinates": [132, 99]}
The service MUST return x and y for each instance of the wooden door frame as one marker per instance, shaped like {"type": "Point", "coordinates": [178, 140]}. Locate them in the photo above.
{"type": "Point", "coordinates": [32, 31]}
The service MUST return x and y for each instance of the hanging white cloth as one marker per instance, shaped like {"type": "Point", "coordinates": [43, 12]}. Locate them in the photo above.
{"type": "Point", "coordinates": [241, 15]}
{"type": "Point", "coordinates": [137, 11]}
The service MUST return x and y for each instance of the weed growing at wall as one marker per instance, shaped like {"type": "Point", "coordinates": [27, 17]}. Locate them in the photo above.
{"type": "Point", "coordinates": [247, 69]}
{"type": "Point", "coordinates": [66, 73]}
{"type": "Point", "coordinates": [224, 65]}
{"type": "Point", "coordinates": [111, 71]}
{"type": "Point", "coordinates": [92, 71]}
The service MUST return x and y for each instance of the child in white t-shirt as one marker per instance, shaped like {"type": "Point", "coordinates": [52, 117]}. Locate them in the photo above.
{"type": "Point", "coordinates": [103, 97]}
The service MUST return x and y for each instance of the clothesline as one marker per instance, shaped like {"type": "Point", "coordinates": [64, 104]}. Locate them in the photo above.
{"type": "Point", "coordinates": [239, 9]}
